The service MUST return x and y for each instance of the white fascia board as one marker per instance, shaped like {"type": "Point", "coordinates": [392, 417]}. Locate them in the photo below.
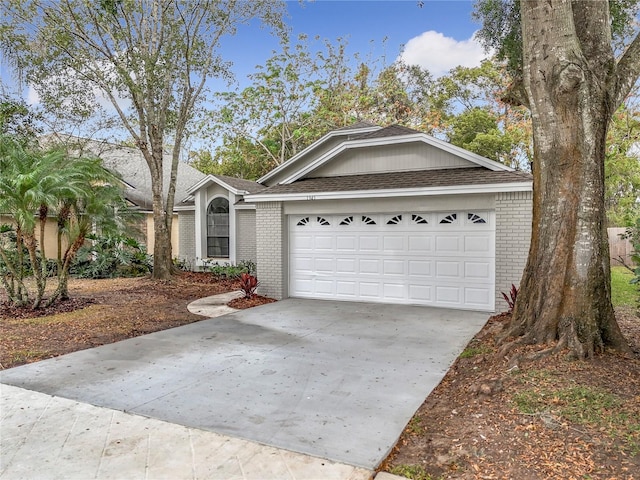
{"type": "Point", "coordinates": [383, 141]}
{"type": "Point", "coordinates": [212, 179]}
{"type": "Point", "coordinates": [245, 206]}
{"type": "Point", "coordinates": [395, 192]}
{"type": "Point", "coordinates": [184, 208]}
{"type": "Point", "coordinates": [333, 133]}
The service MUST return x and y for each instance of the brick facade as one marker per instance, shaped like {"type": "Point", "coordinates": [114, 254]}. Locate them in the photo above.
{"type": "Point", "coordinates": [513, 235]}
{"type": "Point", "coordinates": [246, 236]}
{"type": "Point", "coordinates": [271, 239]}
{"type": "Point", "coordinates": [187, 235]}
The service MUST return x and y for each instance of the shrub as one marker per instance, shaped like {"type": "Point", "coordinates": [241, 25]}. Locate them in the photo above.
{"type": "Point", "coordinates": [633, 234]}
{"type": "Point", "coordinates": [511, 298]}
{"type": "Point", "coordinates": [112, 256]}
{"type": "Point", "coordinates": [228, 271]}
{"type": "Point", "coordinates": [248, 284]}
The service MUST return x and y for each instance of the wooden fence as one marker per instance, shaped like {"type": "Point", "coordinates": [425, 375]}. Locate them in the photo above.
{"type": "Point", "coordinates": [619, 247]}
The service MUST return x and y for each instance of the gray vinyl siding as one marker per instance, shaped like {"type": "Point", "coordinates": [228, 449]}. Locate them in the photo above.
{"type": "Point", "coordinates": [390, 158]}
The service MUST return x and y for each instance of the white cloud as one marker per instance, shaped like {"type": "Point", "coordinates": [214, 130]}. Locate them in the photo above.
{"type": "Point", "coordinates": [33, 98]}
{"type": "Point", "coordinates": [439, 54]}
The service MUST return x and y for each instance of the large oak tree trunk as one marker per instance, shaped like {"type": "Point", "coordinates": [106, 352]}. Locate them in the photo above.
{"type": "Point", "coordinates": [565, 293]}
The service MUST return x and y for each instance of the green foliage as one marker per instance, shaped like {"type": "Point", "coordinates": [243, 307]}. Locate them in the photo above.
{"type": "Point", "coordinates": [297, 96]}
{"type": "Point", "coordinates": [111, 256]}
{"type": "Point", "coordinates": [79, 191]}
{"type": "Point", "coordinates": [623, 292]}
{"type": "Point", "coordinates": [17, 120]}
{"type": "Point", "coordinates": [414, 472]}
{"type": "Point", "coordinates": [622, 166]}
{"type": "Point", "coordinates": [228, 271]}
{"type": "Point", "coordinates": [477, 130]}
{"type": "Point", "coordinates": [471, 352]}
{"type": "Point", "coordinates": [501, 29]}
{"type": "Point", "coordinates": [633, 234]}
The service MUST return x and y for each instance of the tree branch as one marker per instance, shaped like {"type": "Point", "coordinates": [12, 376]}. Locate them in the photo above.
{"type": "Point", "coordinates": [627, 73]}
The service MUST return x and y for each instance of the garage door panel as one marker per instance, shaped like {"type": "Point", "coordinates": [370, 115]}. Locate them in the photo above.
{"type": "Point", "coordinates": [420, 244]}
{"type": "Point", "coordinates": [394, 244]}
{"type": "Point", "coordinates": [302, 264]}
{"type": "Point", "coordinates": [302, 286]}
{"type": "Point", "coordinates": [369, 243]}
{"type": "Point", "coordinates": [369, 266]}
{"type": "Point", "coordinates": [303, 242]}
{"type": "Point", "coordinates": [448, 269]}
{"type": "Point", "coordinates": [323, 242]}
{"type": "Point", "coordinates": [346, 243]}
{"type": "Point", "coordinates": [324, 287]}
{"type": "Point", "coordinates": [420, 267]}
{"type": "Point", "coordinates": [395, 258]}
{"type": "Point", "coordinates": [346, 266]}
{"type": "Point", "coordinates": [370, 290]}
{"type": "Point", "coordinates": [448, 294]}
{"type": "Point", "coordinates": [447, 244]}
{"type": "Point", "coordinates": [478, 244]}
{"type": "Point", "coordinates": [421, 293]}
{"type": "Point", "coordinates": [346, 288]}
{"type": "Point", "coordinates": [478, 271]}
{"type": "Point", "coordinates": [394, 291]}
{"type": "Point", "coordinates": [324, 265]}
{"type": "Point", "coordinates": [476, 296]}
{"type": "Point", "coordinates": [394, 267]}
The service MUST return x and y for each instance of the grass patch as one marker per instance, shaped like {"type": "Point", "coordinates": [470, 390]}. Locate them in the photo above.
{"type": "Point", "coordinates": [64, 317]}
{"type": "Point", "coordinates": [588, 407]}
{"type": "Point", "coordinates": [414, 472]}
{"type": "Point", "coordinates": [623, 293]}
{"type": "Point", "coordinates": [415, 426]}
{"type": "Point", "coordinates": [470, 352]}
{"type": "Point", "coordinates": [24, 356]}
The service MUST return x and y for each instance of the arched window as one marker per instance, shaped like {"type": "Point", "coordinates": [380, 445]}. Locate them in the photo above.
{"type": "Point", "coordinates": [218, 228]}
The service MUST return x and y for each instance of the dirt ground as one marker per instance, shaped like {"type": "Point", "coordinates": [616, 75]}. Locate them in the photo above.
{"type": "Point", "coordinates": [104, 311]}
{"type": "Point", "coordinates": [551, 418]}
{"type": "Point", "coordinates": [488, 419]}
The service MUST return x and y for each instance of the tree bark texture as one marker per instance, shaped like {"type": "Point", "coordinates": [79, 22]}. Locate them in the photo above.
{"type": "Point", "coordinates": [569, 66]}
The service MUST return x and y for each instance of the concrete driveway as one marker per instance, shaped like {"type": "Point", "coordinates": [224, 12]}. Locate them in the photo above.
{"type": "Point", "coordinates": [335, 380]}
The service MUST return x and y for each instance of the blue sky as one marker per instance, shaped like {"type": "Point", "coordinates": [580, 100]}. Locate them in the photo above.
{"type": "Point", "coordinates": [437, 36]}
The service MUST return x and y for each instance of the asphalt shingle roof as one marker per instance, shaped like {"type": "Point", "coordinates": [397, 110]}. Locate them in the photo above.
{"type": "Point", "coordinates": [241, 183]}
{"type": "Point", "coordinates": [394, 180]}
{"type": "Point", "coordinates": [129, 163]}
{"type": "Point", "coordinates": [390, 131]}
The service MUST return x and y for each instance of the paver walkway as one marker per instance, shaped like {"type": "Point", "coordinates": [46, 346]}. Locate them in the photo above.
{"type": "Point", "coordinates": [46, 437]}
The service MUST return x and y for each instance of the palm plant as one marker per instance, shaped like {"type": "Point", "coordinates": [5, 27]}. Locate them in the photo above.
{"type": "Point", "coordinates": [36, 183]}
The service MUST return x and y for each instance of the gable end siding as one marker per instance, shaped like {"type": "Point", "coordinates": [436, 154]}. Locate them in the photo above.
{"type": "Point", "coordinates": [513, 236]}
{"type": "Point", "coordinates": [390, 158]}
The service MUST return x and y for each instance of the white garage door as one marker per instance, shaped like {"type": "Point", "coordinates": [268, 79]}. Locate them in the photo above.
{"type": "Point", "coordinates": [442, 259]}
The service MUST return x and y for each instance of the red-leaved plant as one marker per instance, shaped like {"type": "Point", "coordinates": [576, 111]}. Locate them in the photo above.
{"type": "Point", "coordinates": [248, 284]}
{"type": "Point", "coordinates": [511, 299]}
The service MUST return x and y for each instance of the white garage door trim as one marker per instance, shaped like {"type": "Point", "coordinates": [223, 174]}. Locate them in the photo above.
{"type": "Point", "coordinates": [444, 259]}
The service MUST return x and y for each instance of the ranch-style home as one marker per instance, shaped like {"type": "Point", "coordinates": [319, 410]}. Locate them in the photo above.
{"type": "Point", "coordinates": [370, 214]}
